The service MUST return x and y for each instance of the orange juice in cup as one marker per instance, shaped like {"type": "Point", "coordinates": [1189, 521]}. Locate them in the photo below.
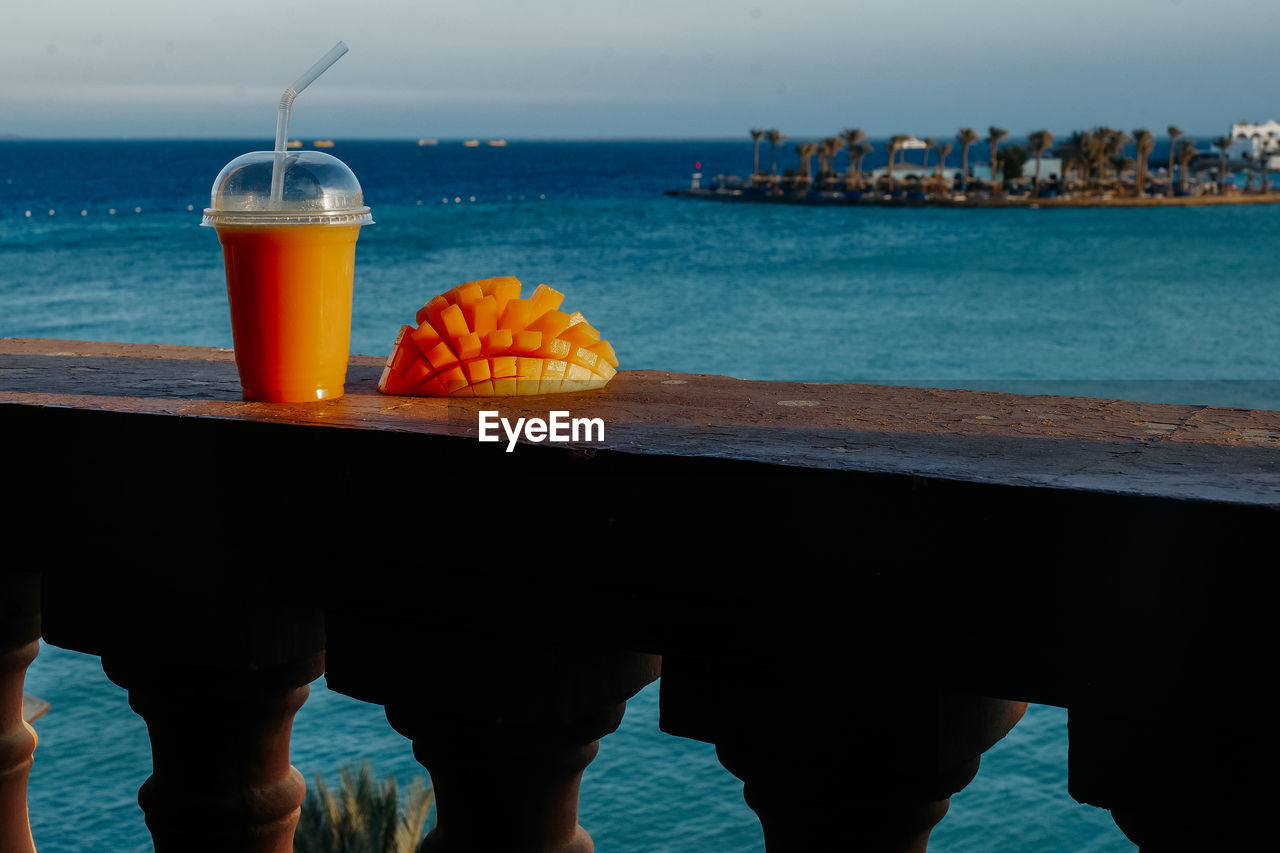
{"type": "Point", "coordinates": [290, 292]}
{"type": "Point", "coordinates": [290, 264]}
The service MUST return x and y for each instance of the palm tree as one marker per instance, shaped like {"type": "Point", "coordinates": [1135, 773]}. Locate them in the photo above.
{"type": "Point", "coordinates": [1144, 142]}
{"type": "Point", "coordinates": [1268, 148]}
{"type": "Point", "coordinates": [1039, 142]}
{"type": "Point", "coordinates": [1122, 164]}
{"type": "Point", "coordinates": [929, 144]}
{"type": "Point", "coordinates": [827, 151]}
{"type": "Point", "coordinates": [994, 135]}
{"type": "Point", "coordinates": [806, 151]}
{"type": "Point", "coordinates": [852, 136]}
{"type": "Point", "coordinates": [365, 816]}
{"type": "Point", "coordinates": [895, 143]}
{"type": "Point", "coordinates": [755, 141]}
{"type": "Point", "coordinates": [775, 138]}
{"type": "Point", "coordinates": [1174, 132]}
{"type": "Point", "coordinates": [1114, 142]}
{"type": "Point", "coordinates": [966, 137]}
{"type": "Point", "coordinates": [1222, 143]}
{"type": "Point", "coordinates": [861, 150]}
{"type": "Point", "coordinates": [1012, 161]}
{"type": "Point", "coordinates": [943, 151]}
{"type": "Point", "coordinates": [1094, 144]}
{"type": "Point", "coordinates": [1074, 153]}
{"type": "Point", "coordinates": [1186, 153]}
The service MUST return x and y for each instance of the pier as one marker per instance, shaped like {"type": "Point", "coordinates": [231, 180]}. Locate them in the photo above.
{"type": "Point", "coordinates": [840, 198]}
{"type": "Point", "coordinates": [851, 590]}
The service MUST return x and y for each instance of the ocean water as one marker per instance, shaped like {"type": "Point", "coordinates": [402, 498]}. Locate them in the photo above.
{"type": "Point", "coordinates": [1173, 305]}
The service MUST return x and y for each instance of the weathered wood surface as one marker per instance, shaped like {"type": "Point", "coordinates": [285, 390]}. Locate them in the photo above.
{"type": "Point", "coordinates": [1180, 451]}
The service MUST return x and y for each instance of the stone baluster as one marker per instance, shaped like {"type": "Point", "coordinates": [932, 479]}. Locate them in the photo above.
{"type": "Point", "coordinates": [501, 787]}
{"type": "Point", "coordinates": [19, 643]}
{"type": "Point", "coordinates": [504, 728]}
{"type": "Point", "coordinates": [1181, 775]}
{"type": "Point", "coordinates": [216, 661]}
{"type": "Point", "coordinates": [832, 764]}
{"type": "Point", "coordinates": [805, 802]}
{"type": "Point", "coordinates": [1170, 730]}
{"type": "Point", "coordinates": [220, 752]}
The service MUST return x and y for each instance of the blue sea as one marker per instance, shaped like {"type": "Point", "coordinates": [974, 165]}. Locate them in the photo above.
{"type": "Point", "coordinates": [101, 241]}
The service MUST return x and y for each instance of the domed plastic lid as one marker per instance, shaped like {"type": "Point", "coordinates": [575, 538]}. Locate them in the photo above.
{"type": "Point", "coordinates": [318, 189]}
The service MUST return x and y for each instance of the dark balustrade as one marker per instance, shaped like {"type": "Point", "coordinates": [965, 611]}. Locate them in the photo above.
{"type": "Point", "coordinates": [888, 574]}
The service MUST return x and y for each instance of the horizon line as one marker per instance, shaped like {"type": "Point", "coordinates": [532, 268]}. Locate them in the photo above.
{"type": "Point", "coordinates": [14, 137]}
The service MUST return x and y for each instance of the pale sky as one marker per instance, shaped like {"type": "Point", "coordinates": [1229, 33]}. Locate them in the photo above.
{"type": "Point", "coordinates": [610, 69]}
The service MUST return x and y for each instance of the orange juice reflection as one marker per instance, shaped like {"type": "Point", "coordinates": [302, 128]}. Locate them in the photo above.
{"type": "Point", "coordinates": [290, 293]}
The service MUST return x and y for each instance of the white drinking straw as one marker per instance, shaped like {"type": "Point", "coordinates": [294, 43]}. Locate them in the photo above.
{"type": "Point", "coordinates": [282, 117]}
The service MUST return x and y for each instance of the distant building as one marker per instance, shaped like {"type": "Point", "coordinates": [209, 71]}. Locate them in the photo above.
{"type": "Point", "coordinates": [1048, 166]}
{"type": "Point", "coordinates": [1265, 139]}
{"type": "Point", "coordinates": [903, 170]}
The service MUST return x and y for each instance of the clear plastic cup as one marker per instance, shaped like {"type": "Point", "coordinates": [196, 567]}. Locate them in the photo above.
{"type": "Point", "coordinates": [290, 265]}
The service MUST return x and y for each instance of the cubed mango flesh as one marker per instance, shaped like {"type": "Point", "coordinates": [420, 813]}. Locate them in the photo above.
{"type": "Point", "coordinates": [482, 338]}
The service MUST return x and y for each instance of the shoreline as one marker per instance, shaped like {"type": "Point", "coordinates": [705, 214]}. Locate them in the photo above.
{"type": "Point", "coordinates": [838, 199]}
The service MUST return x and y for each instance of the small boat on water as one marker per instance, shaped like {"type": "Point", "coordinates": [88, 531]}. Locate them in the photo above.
{"type": "Point", "coordinates": [427, 142]}
{"type": "Point", "coordinates": [471, 143]}
{"type": "Point", "coordinates": [497, 143]}
{"type": "Point", "coordinates": [294, 143]}
{"type": "Point", "coordinates": [33, 707]}
{"type": "Point", "coordinates": [323, 143]}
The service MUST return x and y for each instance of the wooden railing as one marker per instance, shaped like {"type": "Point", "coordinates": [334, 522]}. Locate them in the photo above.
{"type": "Point", "coordinates": [888, 574]}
